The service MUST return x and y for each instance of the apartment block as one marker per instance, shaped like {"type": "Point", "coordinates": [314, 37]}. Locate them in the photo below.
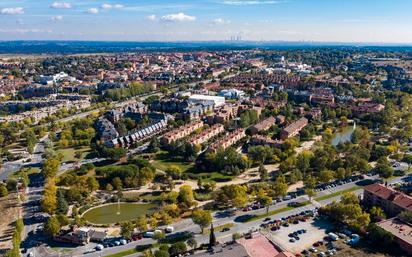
{"type": "Point", "coordinates": [180, 132]}
{"type": "Point", "coordinates": [228, 140]}
{"type": "Point", "coordinates": [206, 134]}
{"type": "Point", "coordinates": [294, 128]}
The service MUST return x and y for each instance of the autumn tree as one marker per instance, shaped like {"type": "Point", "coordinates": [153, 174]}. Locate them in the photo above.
{"type": "Point", "coordinates": [202, 218]}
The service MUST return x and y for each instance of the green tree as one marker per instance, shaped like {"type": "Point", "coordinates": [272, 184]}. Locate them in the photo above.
{"type": "Point", "coordinates": [263, 172]}
{"type": "Point", "coordinates": [232, 195]}
{"type": "Point", "coordinates": [265, 200]}
{"type": "Point", "coordinates": [177, 248]}
{"type": "Point", "coordinates": [186, 198]}
{"type": "Point", "coordinates": [127, 229]}
{"type": "Point", "coordinates": [52, 226]}
{"type": "Point", "coordinates": [141, 223]}
{"type": "Point", "coordinates": [280, 187]}
{"type": "Point", "coordinates": [50, 167]}
{"type": "Point", "coordinates": [202, 218]}
{"type": "Point", "coordinates": [3, 191]}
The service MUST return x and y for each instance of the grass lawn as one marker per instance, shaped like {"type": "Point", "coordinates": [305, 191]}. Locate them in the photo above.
{"type": "Point", "coordinates": [70, 152]}
{"type": "Point", "coordinates": [325, 197]}
{"type": "Point", "coordinates": [124, 253]}
{"type": "Point", "coordinates": [206, 231]}
{"type": "Point", "coordinates": [270, 213]}
{"type": "Point", "coordinates": [164, 160]}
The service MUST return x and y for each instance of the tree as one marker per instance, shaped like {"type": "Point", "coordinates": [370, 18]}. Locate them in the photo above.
{"type": "Point", "coordinates": [280, 187]}
{"type": "Point", "coordinates": [381, 238]}
{"type": "Point", "coordinates": [212, 237]}
{"type": "Point", "coordinates": [377, 213]}
{"type": "Point", "coordinates": [174, 171]}
{"type": "Point", "coordinates": [303, 161]}
{"type": "Point", "coordinates": [384, 170]}
{"type": "Point", "coordinates": [161, 253]}
{"type": "Point", "coordinates": [263, 172]}
{"type": "Point", "coordinates": [325, 176]}
{"type": "Point", "coordinates": [50, 167]}
{"type": "Point", "coordinates": [52, 226]}
{"type": "Point", "coordinates": [127, 229]}
{"type": "Point", "coordinates": [265, 200]}
{"type": "Point", "coordinates": [154, 145]}
{"type": "Point", "coordinates": [232, 195]}
{"type": "Point", "coordinates": [202, 218]}
{"type": "Point", "coordinates": [192, 243]}
{"type": "Point", "coordinates": [260, 154]}
{"type": "Point", "coordinates": [310, 192]}
{"type": "Point", "coordinates": [62, 205]}
{"type": "Point", "coordinates": [405, 216]}
{"type": "Point", "coordinates": [49, 200]}
{"type": "Point", "coordinates": [3, 190]}
{"type": "Point", "coordinates": [186, 198]}
{"type": "Point", "coordinates": [177, 248]}
{"type": "Point", "coordinates": [141, 223]}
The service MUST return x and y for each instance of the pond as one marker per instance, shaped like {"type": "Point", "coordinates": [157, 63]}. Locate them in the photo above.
{"type": "Point", "coordinates": [118, 212]}
{"type": "Point", "coordinates": [344, 135]}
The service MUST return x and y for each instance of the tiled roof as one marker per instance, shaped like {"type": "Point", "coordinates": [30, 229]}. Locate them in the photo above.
{"type": "Point", "coordinates": [398, 198]}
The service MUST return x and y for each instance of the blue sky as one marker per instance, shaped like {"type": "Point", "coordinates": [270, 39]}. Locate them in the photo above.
{"type": "Point", "coordinates": [378, 21]}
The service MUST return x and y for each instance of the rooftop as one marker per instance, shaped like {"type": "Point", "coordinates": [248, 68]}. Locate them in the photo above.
{"type": "Point", "coordinates": [399, 229]}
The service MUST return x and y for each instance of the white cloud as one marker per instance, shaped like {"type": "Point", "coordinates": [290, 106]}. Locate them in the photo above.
{"type": "Point", "coordinates": [111, 6]}
{"type": "Point", "coordinates": [220, 21]}
{"type": "Point", "coordinates": [248, 2]}
{"type": "Point", "coordinates": [93, 11]}
{"type": "Point", "coordinates": [151, 17]}
{"type": "Point", "coordinates": [12, 11]}
{"type": "Point", "coordinates": [61, 5]}
{"type": "Point", "coordinates": [57, 18]}
{"type": "Point", "coordinates": [178, 17]}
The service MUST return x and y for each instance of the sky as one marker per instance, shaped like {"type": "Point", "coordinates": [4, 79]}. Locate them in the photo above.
{"type": "Point", "coordinates": [368, 21]}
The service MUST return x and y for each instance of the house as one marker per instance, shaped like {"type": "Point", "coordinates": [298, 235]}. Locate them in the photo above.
{"type": "Point", "coordinates": [390, 200]}
{"type": "Point", "coordinates": [217, 100]}
{"type": "Point", "coordinates": [263, 125]}
{"type": "Point", "coordinates": [401, 231]}
{"type": "Point", "coordinates": [294, 128]}
{"type": "Point", "coordinates": [106, 129]}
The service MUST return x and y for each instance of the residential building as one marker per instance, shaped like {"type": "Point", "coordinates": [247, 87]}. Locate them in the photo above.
{"type": "Point", "coordinates": [228, 140]}
{"type": "Point", "coordinates": [263, 125]}
{"type": "Point", "coordinates": [294, 128]}
{"type": "Point", "coordinates": [390, 200]}
{"type": "Point", "coordinates": [180, 132]}
{"type": "Point", "coordinates": [401, 231]}
{"type": "Point", "coordinates": [264, 140]}
{"type": "Point", "coordinates": [206, 134]}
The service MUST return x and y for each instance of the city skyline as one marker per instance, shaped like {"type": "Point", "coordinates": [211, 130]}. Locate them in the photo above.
{"type": "Point", "coordinates": [367, 21]}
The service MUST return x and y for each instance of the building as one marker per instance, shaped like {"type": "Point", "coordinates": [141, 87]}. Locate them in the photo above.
{"type": "Point", "coordinates": [228, 140]}
{"type": "Point", "coordinates": [180, 132]}
{"type": "Point", "coordinates": [138, 136]}
{"type": "Point", "coordinates": [223, 115]}
{"type": "Point", "coordinates": [217, 100]}
{"type": "Point", "coordinates": [232, 93]}
{"type": "Point", "coordinates": [263, 125]}
{"type": "Point", "coordinates": [390, 200]}
{"type": "Point", "coordinates": [106, 130]}
{"type": "Point", "coordinates": [263, 140]}
{"type": "Point", "coordinates": [401, 231]}
{"type": "Point", "coordinates": [206, 134]}
{"type": "Point", "coordinates": [294, 128]}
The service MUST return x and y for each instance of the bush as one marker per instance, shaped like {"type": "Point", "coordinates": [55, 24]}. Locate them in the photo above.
{"type": "Point", "coordinates": [177, 249]}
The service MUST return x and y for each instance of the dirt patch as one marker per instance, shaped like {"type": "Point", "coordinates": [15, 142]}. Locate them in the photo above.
{"type": "Point", "coordinates": [10, 210]}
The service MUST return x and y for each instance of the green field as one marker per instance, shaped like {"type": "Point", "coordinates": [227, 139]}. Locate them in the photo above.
{"type": "Point", "coordinates": [338, 193]}
{"type": "Point", "coordinates": [163, 160]}
{"type": "Point", "coordinates": [70, 152]}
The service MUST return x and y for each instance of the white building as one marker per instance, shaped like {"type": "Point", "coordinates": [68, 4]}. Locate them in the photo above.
{"type": "Point", "coordinates": [217, 100]}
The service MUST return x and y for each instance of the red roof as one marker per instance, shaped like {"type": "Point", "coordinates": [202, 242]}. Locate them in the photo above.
{"type": "Point", "coordinates": [398, 198]}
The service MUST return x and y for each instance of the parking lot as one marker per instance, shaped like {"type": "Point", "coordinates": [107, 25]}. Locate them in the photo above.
{"type": "Point", "coordinates": [315, 231]}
